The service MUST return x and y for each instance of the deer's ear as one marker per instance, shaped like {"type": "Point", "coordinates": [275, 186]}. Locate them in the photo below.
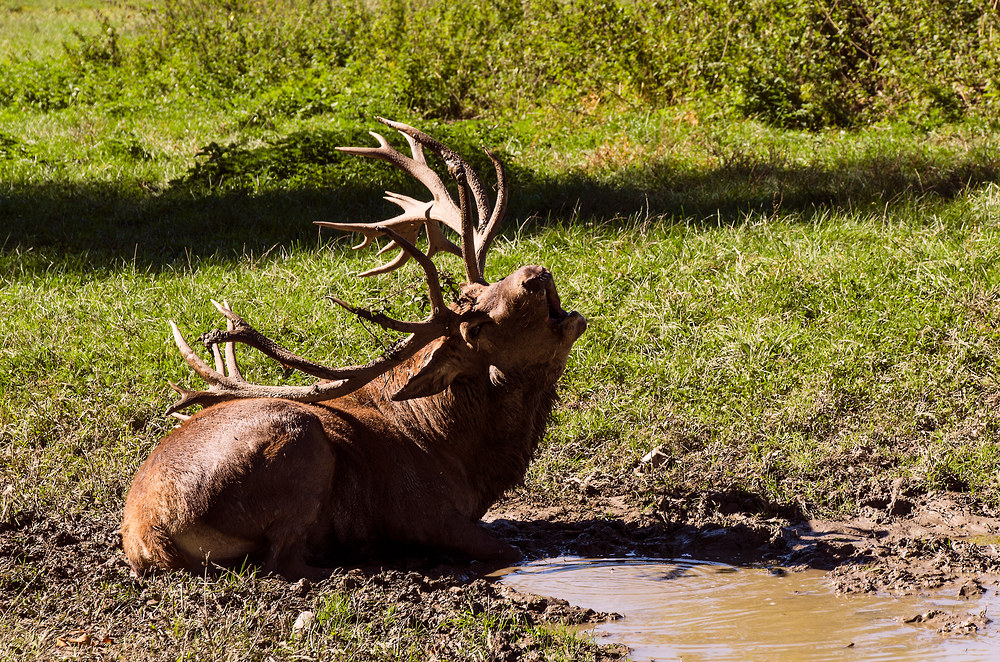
{"type": "Point", "coordinates": [437, 373]}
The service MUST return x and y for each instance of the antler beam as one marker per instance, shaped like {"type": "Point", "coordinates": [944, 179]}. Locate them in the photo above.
{"type": "Point", "coordinates": [225, 380]}
{"type": "Point", "coordinates": [227, 383]}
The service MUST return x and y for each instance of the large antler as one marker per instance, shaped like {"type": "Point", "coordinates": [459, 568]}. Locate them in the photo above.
{"type": "Point", "coordinates": [476, 239]}
{"type": "Point", "coordinates": [227, 383]}
{"type": "Point", "coordinates": [225, 380]}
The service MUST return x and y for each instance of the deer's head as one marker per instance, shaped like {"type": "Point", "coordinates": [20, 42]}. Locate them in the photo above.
{"type": "Point", "coordinates": [515, 326]}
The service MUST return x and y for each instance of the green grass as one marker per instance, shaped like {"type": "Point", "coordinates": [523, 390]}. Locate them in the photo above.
{"type": "Point", "coordinates": [810, 333]}
{"type": "Point", "coordinates": [862, 340]}
{"type": "Point", "coordinates": [37, 29]}
{"type": "Point", "coordinates": [805, 315]}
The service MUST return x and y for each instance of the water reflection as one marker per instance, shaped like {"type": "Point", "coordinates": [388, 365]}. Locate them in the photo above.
{"type": "Point", "coordinates": [692, 610]}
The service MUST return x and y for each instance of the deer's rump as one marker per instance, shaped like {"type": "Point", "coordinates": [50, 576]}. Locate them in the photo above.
{"type": "Point", "coordinates": [249, 477]}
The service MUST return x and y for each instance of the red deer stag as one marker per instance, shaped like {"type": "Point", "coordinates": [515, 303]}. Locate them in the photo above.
{"type": "Point", "coordinates": [290, 475]}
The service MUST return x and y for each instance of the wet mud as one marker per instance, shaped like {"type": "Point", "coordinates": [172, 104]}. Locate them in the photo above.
{"type": "Point", "coordinates": [65, 577]}
{"type": "Point", "coordinates": [942, 539]}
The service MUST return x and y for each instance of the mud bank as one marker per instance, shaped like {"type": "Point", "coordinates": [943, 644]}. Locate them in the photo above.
{"type": "Point", "coordinates": [65, 580]}
{"type": "Point", "coordinates": [909, 544]}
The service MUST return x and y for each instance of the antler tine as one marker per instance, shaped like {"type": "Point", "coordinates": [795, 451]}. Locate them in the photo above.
{"type": "Point", "coordinates": [223, 370]}
{"type": "Point", "coordinates": [217, 355]}
{"type": "Point", "coordinates": [416, 167]}
{"type": "Point", "coordinates": [433, 280]}
{"type": "Point", "coordinates": [416, 210]}
{"type": "Point", "coordinates": [375, 229]}
{"type": "Point", "coordinates": [384, 152]}
{"type": "Point", "coordinates": [450, 157]}
{"type": "Point", "coordinates": [191, 358]}
{"type": "Point", "coordinates": [465, 176]}
{"type": "Point", "coordinates": [213, 377]}
{"type": "Point", "coordinates": [472, 271]}
{"type": "Point", "coordinates": [232, 367]}
{"type": "Point", "coordinates": [489, 232]}
{"type": "Point", "coordinates": [415, 213]}
{"type": "Point", "coordinates": [438, 305]}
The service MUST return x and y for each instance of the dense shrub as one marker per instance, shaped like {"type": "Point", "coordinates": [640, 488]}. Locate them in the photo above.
{"type": "Point", "coordinates": [310, 159]}
{"type": "Point", "coordinates": [795, 63]}
{"type": "Point", "coordinates": [37, 86]}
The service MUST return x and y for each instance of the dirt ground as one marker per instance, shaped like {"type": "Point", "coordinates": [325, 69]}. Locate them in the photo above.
{"type": "Point", "coordinates": [902, 544]}
{"type": "Point", "coordinates": [67, 580]}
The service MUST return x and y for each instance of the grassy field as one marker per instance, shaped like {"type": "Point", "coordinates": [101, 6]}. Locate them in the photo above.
{"type": "Point", "coordinates": [804, 313]}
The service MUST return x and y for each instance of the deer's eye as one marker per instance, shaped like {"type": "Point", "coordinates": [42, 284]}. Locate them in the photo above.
{"type": "Point", "coordinates": [474, 331]}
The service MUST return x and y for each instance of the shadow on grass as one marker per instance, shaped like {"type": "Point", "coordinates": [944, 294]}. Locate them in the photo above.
{"type": "Point", "coordinates": [728, 194]}
{"type": "Point", "coordinates": [104, 225]}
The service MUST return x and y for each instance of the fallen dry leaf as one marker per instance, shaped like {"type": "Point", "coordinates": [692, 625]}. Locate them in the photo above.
{"type": "Point", "coordinates": [77, 638]}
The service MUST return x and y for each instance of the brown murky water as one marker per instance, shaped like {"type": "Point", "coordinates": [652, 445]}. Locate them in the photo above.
{"type": "Point", "coordinates": [691, 610]}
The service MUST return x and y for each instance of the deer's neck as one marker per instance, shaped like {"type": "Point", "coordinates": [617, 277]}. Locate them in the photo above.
{"type": "Point", "coordinates": [498, 437]}
{"type": "Point", "coordinates": [484, 429]}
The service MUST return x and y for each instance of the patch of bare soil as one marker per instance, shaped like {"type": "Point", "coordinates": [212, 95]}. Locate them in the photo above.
{"type": "Point", "coordinates": [66, 592]}
{"type": "Point", "coordinates": [64, 584]}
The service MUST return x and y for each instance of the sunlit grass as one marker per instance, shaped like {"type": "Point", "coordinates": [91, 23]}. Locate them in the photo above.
{"type": "Point", "coordinates": [811, 336]}
{"type": "Point", "coordinates": [37, 29]}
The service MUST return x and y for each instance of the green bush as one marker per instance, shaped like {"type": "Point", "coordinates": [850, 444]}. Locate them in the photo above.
{"type": "Point", "coordinates": [793, 63]}
{"type": "Point", "coordinates": [37, 86]}
{"type": "Point", "coordinates": [309, 159]}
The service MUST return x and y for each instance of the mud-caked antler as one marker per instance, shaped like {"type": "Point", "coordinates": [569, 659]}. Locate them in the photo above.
{"type": "Point", "coordinates": [225, 380]}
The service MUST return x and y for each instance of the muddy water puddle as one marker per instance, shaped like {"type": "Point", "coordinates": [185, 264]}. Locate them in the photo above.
{"type": "Point", "coordinates": [692, 610]}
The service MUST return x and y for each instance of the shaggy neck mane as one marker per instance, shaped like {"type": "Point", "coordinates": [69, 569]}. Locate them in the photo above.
{"type": "Point", "coordinates": [487, 425]}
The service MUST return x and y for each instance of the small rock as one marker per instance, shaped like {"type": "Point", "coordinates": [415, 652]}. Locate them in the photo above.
{"type": "Point", "coordinates": [305, 621]}
{"type": "Point", "coordinates": [301, 587]}
{"type": "Point", "coordinates": [653, 459]}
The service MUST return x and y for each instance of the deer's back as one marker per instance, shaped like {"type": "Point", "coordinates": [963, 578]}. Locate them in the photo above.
{"type": "Point", "coordinates": [243, 473]}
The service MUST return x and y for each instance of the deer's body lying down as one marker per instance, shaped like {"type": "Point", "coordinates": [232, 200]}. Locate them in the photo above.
{"type": "Point", "coordinates": [288, 481]}
{"type": "Point", "coordinates": [415, 455]}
